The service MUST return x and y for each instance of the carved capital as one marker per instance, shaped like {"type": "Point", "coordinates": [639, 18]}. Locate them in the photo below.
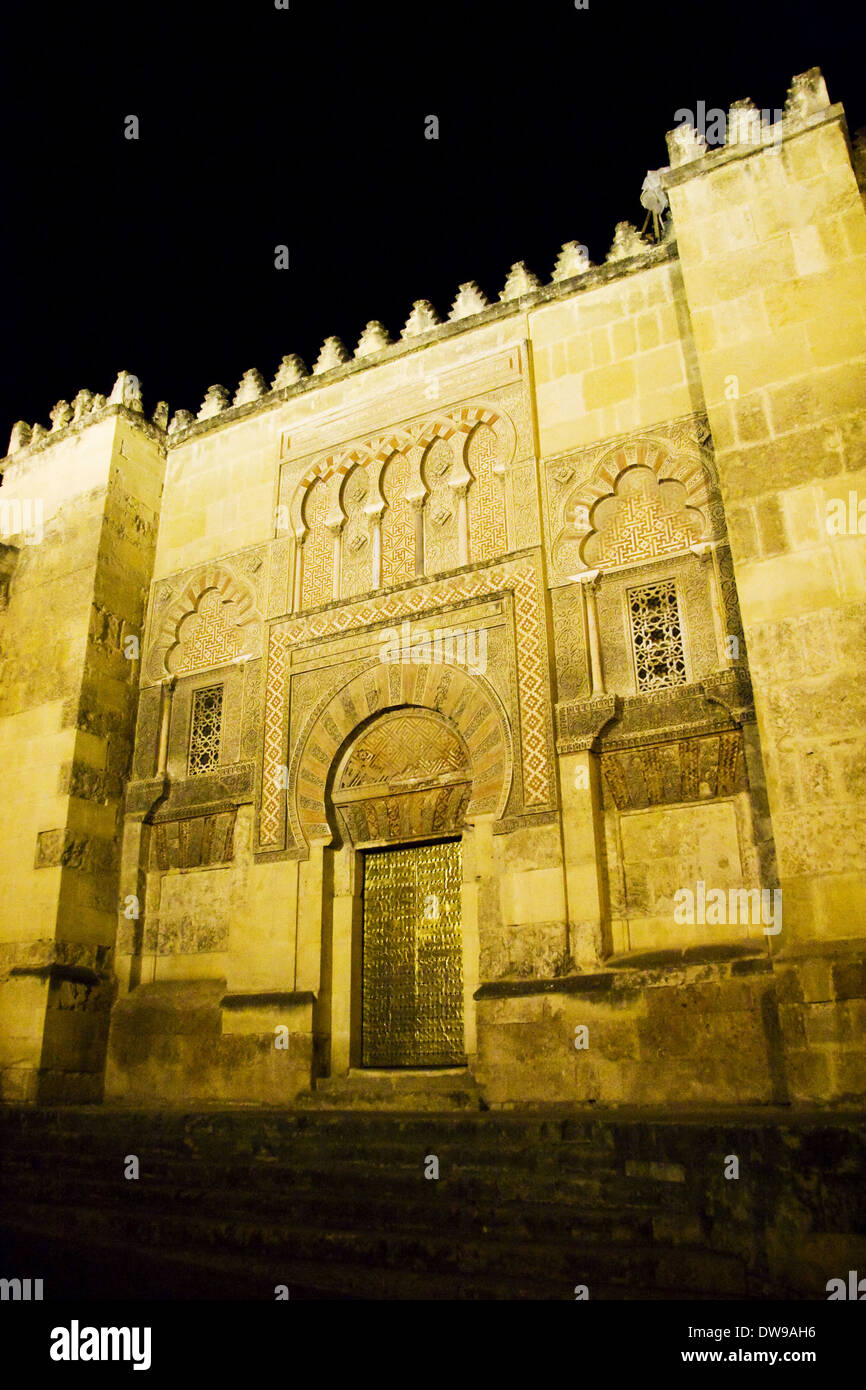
{"type": "Point", "coordinates": [580, 722]}
{"type": "Point", "coordinates": [591, 580]}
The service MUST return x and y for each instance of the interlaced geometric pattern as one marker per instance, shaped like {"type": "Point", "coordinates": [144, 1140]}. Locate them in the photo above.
{"type": "Point", "coordinates": [440, 510]}
{"type": "Point", "coordinates": [356, 567]}
{"type": "Point", "coordinates": [412, 993]}
{"type": "Point", "coordinates": [204, 739]}
{"type": "Point", "coordinates": [398, 525]}
{"type": "Point", "coordinates": [271, 799]}
{"type": "Point", "coordinates": [393, 750]}
{"type": "Point", "coordinates": [318, 561]}
{"type": "Point", "coordinates": [659, 655]}
{"type": "Point", "coordinates": [486, 513]}
{"type": "Point", "coordinates": [208, 636]}
{"type": "Point", "coordinates": [531, 669]}
{"type": "Point", "coordinates": [640, 530]}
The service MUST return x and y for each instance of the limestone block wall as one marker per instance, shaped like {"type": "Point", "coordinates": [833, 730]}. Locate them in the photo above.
{"type": "Point", "coordinates": [67, 695]}
{"type": "Point", "coordinates": [772, 244]}
{"type": "Point", "coordinates": [695, 1033]}
{"type": "Point", "coordinates": [681, 414]}
{"type": "Point", "coordinates": [540, 889]}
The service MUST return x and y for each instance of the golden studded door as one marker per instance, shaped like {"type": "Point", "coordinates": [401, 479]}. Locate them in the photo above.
{"type": "Point", "coordinates": [412, 989]}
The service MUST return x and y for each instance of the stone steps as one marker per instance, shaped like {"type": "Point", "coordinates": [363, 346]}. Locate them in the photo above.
{"type": "Point", "coordinates": [100, 1269]}
{"type": "Point", "coordinates": [524, 1262]}
{"type": "Point", "coordinates": [337, 1205]}
{"type": "Point", "coordinates": [353, 1182]}
{"type": "Point", "coordinates": [554, 1219]}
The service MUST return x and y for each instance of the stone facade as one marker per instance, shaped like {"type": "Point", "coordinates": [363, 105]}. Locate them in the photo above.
{"type": "Point", "coordinates": [552, 578]}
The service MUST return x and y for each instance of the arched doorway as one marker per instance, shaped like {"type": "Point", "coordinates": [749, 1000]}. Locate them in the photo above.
{"type": "Point", "coordinates": [400, 793]}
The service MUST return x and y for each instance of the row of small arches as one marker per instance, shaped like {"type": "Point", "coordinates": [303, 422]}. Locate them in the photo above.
{"type": "Point", "coordinates": [383, 540]}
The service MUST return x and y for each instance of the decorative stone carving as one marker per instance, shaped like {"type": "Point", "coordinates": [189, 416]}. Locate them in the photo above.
{"type": "Point", "coordinates": [218, 630]}
{"type": "Point", "coordinates": [641, 519]}
{"type": "Point", "coordinates": [806, 95]}
{"type": "Point", "coordinates": [398, 523]}
{"type": "Point", "coordinates": [520, 281]}
{"type": "Point", "coordinates": [356, 576]}
{"type": "Point", "coordinates": [208, 618]}
{"type": "Point", "coordinates": [522, 579]}
{"type": "Point", "coordinates": [333, 354]}
{"type": "Point", "coordinates": [470, 300]}
{"type": "Point", "coordinates": [487, 534]}
{"type": "Point", "coordinates": [408, 773]}
{"type": "Point", "coordinates": [465, 700]}
{"type": "Point", "coordinates": [160, 415]}
{"type": "Point", "coordinates": [181, 420]}
{"type": "Point", "coordinates": [422, 318]}
{"type": "Point", "coordinates": [317, 556]}
{"type": "Point", "coordinates": [744, 124]}
{"type": "Point", "coordinates": [572, 657]}
{"type": "Point", "coordinates": [374, 338]}
{"type": "Point", "coordinates": [60, 416]}
{"type": "Point", "coordinates": [126, 391]}
{"type": "Point", "coordinates": [630, 499]}
{"type": "Point", "coordinates": [690, 769]}
{"type": "Point", "coordinates": [572, 260]}
{"type": "Point", "coordinates": [580, 722]}
{"type": "Point", "coordinates": [627, 242]}
{"type": "Point", "coordinates": [20, 436]}
{"type": "Point", "coordinates": [252, 385]}
{"type": "Point", "coordinates": [216, 400]}
{"type": "Point", "coordinates": [98, 403]}
{"type": "Point", "coordinates": [290, 370]}
{"type": "Point", "coordinates": [684, 144]}
{"type": "Point", "coordinates": [38, 433]}
{"type": "Point", "coordinates": [82, 405]}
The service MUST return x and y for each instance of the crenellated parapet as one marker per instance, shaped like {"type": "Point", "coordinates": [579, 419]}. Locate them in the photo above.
{"type": "Point", "coordinates": [84, 408]}
{"type": "Point", "coordinates": [744, 127]}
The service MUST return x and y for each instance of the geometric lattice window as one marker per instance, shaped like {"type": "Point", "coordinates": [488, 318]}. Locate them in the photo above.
{"type": "Point", "coordinates": [657, 637]}
{"type": "Point", "coordinates": [204, 739]}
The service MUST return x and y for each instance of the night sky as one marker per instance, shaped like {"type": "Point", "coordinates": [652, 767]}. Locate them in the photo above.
{"type": "Point", "coordinates": [305, 127]}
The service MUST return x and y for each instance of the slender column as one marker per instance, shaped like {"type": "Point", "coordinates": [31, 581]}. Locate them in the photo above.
{"type": "Point", "coordinates": [461, 489]}
{"type": "Point", "coordinates": [336, 530]}
{"type": "Point", "coordinates": [298, 587]}
{"type": "Point", "coordinates": [374, 517]}
{"type": "Point", "coordinates": [707, 553]}
{"type": "Point", "coordinates": [416, 502]}
{"type": "Point", "coordinates": [166, 692]}
{"type": "Point", "coordinates": [589, 582]}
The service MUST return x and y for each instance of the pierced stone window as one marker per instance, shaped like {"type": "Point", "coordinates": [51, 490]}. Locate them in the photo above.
{"type": "Point", "coordinates": [204, 739]}
{"type": "Point", "coordinates": [657, 636]}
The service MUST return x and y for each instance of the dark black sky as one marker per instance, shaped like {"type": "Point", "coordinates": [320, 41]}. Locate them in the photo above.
{"type": "Point", "coordinates": [261, 126]}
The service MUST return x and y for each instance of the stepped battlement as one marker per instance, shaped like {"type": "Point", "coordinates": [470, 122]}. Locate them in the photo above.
{"type": "Point", "coordinates": [692, 149]}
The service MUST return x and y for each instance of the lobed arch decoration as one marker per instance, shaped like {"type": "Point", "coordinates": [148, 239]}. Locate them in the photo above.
{"type": "Point", "coordinates": [643, 499]}
{"type": "Point", "coordinates": [400, 559]}
{"type": "Point", "coordinates": [358, 505]}
{"type": "Point", "coordinates": [464, 701]}
{"type": "Point", "coordinates": [487, 530]}
{"type": "Point", "coordinates": [212, 622]}
{"type": "Point", "coordinates": [317, 575]}
{"type": "Point", "coordinates": [444, 498]}
{"type": "Point", "coordinates": [321, 495]}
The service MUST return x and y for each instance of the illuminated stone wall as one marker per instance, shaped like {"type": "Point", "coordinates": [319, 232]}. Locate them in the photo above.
{"type": "Point", "coordinates": [579, 534]}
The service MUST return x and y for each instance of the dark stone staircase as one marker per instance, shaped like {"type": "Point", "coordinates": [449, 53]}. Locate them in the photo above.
{"type": "Point", "coordinates": [335, 1205]}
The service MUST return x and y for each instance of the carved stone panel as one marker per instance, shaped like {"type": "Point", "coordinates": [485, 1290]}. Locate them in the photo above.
{"type": "Point", "coordinates": [441, 547]}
